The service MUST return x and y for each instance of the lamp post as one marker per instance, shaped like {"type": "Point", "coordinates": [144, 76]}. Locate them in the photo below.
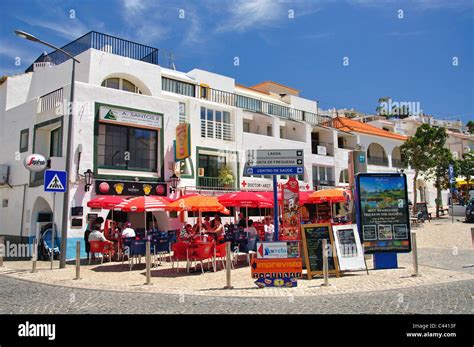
{"type": "Point", "coordinates": [174, 180]}
{"type": "Point", "coordinates": [88, 176]}
{"type": "Point", "coordinates": [27, 36]}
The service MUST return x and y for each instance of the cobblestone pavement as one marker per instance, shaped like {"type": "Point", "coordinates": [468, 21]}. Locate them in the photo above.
{"type": "Point", "coordinates": [18, 296]}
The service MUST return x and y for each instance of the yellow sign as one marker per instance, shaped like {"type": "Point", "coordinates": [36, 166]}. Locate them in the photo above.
{"type": "Point", "coordinates": [183, 141]}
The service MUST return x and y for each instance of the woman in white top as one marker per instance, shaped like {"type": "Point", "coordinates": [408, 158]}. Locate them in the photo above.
{"type": "Point", "coordinates": [269, 229]}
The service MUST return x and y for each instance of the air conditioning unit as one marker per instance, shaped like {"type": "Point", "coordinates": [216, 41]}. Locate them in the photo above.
{"type": "Point", "coordinates": [4, 171]}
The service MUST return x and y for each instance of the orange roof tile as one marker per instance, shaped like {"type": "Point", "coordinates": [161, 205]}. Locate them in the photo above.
{"type": "Point", "coordinates": [275, 83]}
{"type": "Point", "coordinates": [346, 124]}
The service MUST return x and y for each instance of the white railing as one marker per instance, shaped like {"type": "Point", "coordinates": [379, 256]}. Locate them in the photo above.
{"type": "Point", "coordinates": [217, 130]}
{"type": "Point", "coordinates": [51, 100]}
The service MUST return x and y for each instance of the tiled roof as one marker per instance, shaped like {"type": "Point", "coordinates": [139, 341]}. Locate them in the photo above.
{"type": "Point", "coordinates": [346, 124]}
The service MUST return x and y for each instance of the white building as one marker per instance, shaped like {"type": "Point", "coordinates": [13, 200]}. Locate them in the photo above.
{"type": "Point", "coordinates": [125, 114]}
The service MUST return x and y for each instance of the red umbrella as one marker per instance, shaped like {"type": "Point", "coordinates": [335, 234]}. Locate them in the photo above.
{"type": "Point", "coordinates": [246, 199]}
{"type": "Point", "coordinates": [144, 204]}
{"type": "Point", "coordinates": [107, 202]}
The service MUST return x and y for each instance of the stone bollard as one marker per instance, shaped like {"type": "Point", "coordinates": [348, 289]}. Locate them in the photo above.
{"type": "Point", "coordinates": [415, 254]}
{"type": "Point", "coordinates": [325, 263]}
{"type": "Point", "coordinates": [34, 257]}
{"type": "Point", "coordinates": [78, 260]}
{"type": "Point", "coordinates": [228, 266]}
{"type": "Point", "coordinates": [148, 263]}
{"type": "Point", "coordinates": [2, 249]}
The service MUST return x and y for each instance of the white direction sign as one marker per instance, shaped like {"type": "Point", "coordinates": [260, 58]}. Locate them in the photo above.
{"type": "Point", "coordinates": [275, 157]}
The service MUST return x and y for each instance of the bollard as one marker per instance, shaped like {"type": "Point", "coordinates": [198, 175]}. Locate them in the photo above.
{"type": "Point", "coordinates": [325, 263]}
{"type": "Point", "coordinates": [415, 254]}
{"type": "Point", "coordinates": [2, 249]}
{"type": "Point", "coordinates": [472, 236]}
{"type": "Point", "coordinates": [34, 258]}
{"type": "Point", "coordinates": [78, 260]}
{"type": "Point", "coordinates": [228, 266]}
{"type": "Point", "coordinates": [148, 265]}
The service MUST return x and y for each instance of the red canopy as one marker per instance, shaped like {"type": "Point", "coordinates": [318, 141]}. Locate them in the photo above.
{"type": "Point", "coordinates": [108, 202]}
{"type": "Point", "coordinates": [143, 203]}
{"type": "Point", "coordinates": [246, 199]}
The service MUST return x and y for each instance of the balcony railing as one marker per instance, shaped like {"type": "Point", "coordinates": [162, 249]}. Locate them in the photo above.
{"type": "Point", "coordinates": [214, 183]}
{"type": "Point", "coordinates": [329, 183]}
{"type": "Point", "coordinates": [217, 130]}
{"type": "Point", "coordinates": [102, 42]}
{"type": "Point", "coordinates": [265, 107]}
{"type": "Point", "coordinates": [379, 161]}
{"type": "Point", "coordinates": [50, 100]}
{"type": "Point", "coordinates": [328, 146]}
{"type": "Point", "coordinates": [398, 163]}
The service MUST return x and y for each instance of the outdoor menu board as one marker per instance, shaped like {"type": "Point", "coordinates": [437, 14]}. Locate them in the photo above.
{"type": "Point", "coordinates": [348, 247]}
{"type": "Point", "coordinates": [313, 235]}
{"type": "Point", "coordinates": [382, 212]}
{"type": "Point", "coordinates": [421, 206]}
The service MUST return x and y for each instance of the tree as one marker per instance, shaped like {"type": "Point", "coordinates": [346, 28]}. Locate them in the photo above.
{"type": "Point", "coordinates": [442, 157]}
{"type": "Point", "coordinates": [388, 109]}
{"type": "Point", "coordinates": [466, 169]}
{"type": "Point", "coordinates": [470, 127]}
{"type": "Point", "coordinates": [418, 151]}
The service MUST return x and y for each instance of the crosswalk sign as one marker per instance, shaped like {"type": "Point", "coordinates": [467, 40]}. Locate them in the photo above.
{"type": "Point", "coordinates": [55, 181]}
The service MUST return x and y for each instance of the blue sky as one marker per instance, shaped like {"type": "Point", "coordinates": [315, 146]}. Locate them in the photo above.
{"type": "Point", "coordinates": [409, 59]}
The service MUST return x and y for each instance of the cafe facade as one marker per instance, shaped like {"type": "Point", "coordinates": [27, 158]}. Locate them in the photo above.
{"type": "Point", "coordinates": [138, 126]}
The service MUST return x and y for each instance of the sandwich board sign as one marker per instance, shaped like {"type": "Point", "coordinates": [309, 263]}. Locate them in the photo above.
{"type": "Point", "coordinates": [55, 181]}
{"type": "Point", "coordinates": [348, 247]}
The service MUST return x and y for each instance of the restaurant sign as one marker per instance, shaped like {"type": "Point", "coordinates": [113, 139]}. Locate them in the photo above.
{"type": "Point", "coordinates": [290, 228]}
{"type": "Point", "coordinates": [183, 141]}
{"type": "Point", "coordinates": [128, 117]}
{"type": "Point", "coordinates": [105, 187]}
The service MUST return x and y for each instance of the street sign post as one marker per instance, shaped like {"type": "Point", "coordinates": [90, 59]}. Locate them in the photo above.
{"type": "Point", "coordinates": [451, 182]}
{"type": "Point", "coordinates": [274, 162]}
{"type": "Point", "coordinates": [55, 182]}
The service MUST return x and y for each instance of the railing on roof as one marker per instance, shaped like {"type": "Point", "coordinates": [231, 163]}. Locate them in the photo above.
{"type": "Point", "coordinates": [102, 42]}
{"type": "Point", "coordinates": [265, 107]}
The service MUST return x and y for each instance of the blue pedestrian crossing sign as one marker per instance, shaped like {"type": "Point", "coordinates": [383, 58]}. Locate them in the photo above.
{"type": "Point", "coordinates": [55, 181]}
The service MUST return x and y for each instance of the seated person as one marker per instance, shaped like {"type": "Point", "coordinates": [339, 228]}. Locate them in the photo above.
{"type": "Point", "coordinates": [97, 235]}
{"type": "Point", "coordinates": [217, 229]}
{"type": "Point", "coordinates": [128, 231]}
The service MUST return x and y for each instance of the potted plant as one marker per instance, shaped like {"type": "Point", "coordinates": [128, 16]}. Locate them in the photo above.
{"type": "Point", "coordinates": [226, 177]}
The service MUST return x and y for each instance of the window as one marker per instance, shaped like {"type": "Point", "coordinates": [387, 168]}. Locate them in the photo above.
{"type": "Point", "coordinates": [24, 140]}
{"type": "Point", "coordinates": [121, 84]}
{"type": "Point", "coordinates": [211, 164]}
{"type": "Point", "coordinates": [55, 143]}
{"type": "Point", "coordinates": [216, 124]}
{"type": "Point", "coordinates": [344, 176]}
{"type": "Point", "coordinates": [182, 113]}
{"type": "Point", "coordinates": [246, 127]}
{"type": "Point", "coordinates": [178, 87]}
{"type": "Point", "coordinates": [269, 130]}
{"type": "Point", "coordinates": [204, 91]}
{"type": "Point", "coordinates": [248, 103]}
{"type": "Point", "coordinates": [121, 147]}
{"type": "Point", "coordinates": [323, 176]}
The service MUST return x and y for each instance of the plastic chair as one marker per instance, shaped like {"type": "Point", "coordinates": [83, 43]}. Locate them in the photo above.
{"type": "Point", "coordinates": [203, 252]}
{"type": "Point", "coordinates": [101, 247]}
{"type": "Point", "coordinates": [137, 250]}
{"type": "Point", "coordinates": [180, 252]}
{"type": "Point", "coordinates": [220, 253]}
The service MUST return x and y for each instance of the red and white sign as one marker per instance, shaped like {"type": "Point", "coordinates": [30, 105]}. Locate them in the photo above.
{"type": "Point", "coordinates": [290, 229]}
{"type": "Point", "coordinates": [35, 162]}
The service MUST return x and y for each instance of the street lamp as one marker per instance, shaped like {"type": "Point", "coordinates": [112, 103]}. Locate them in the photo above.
{"type": "Point", "coordinates": [27, 36]}
{"type": "Point", "coordinates": [174, 180]}
{"type": "Point", "coordinates": [88, 176]}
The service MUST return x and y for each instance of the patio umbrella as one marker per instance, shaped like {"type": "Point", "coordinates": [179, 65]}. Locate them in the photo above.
{"type": "Point", "coordinates": [329, 195]}
{"type": "Point", "coordinates": [144, 204]}
{"type": "Point", "coordinates": [246, 199]}
{"type": "Point", "coordinates": [199, 203]}
{"type": "Point", "coordinates": [107, 202]}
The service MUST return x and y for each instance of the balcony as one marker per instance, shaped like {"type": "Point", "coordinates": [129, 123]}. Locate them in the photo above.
{"type": "Point", "coordinates": [214, 183]}
{"type": "Point", "coordinates": [398, 163]}
{"type": "Point", "coordinates": [328, 183]}
{"type": "Point", "coordinates": [378, 161]}
{"type": "Point", "coordinates": [101, 42]}
{"type": "Point", "coordinates": [322, 148]}
{"type": "Point", "coordinates": [217, 130]}
{"type": "Point", "coordinates": [265, 107]}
